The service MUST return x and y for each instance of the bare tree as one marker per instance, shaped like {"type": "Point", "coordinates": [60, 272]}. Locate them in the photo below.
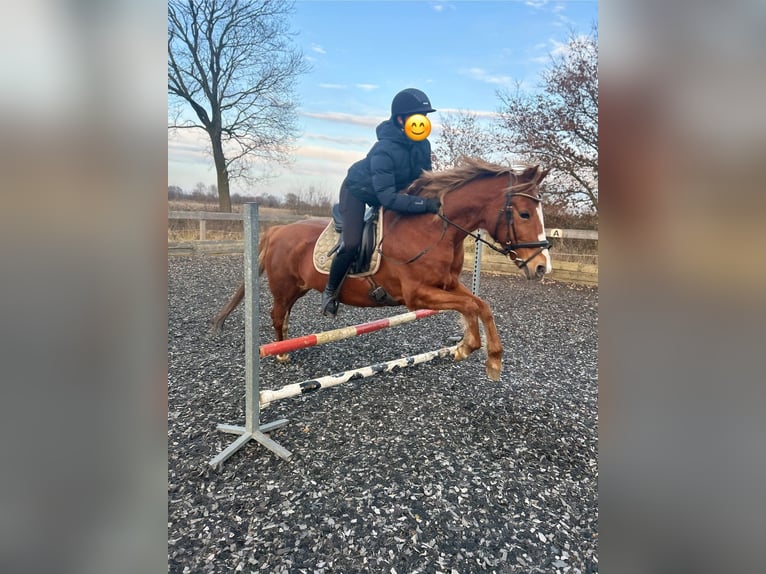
{"type": "Point", "coordinates": [200, 191]}
{"type": "Point", "coordinates": [461, 135]}
{"type": "Point", "coordinates": [558, 126]}
{"type": "Point", "coordinates": [232, 63]}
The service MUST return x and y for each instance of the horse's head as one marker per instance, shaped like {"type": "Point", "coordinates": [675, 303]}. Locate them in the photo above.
{"type": "Point", "coordinates": [520, 227]}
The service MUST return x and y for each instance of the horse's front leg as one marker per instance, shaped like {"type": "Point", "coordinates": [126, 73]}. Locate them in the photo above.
{"type": "Point", "coordinates": [494, 346]}
{"type": "Point", "coordinates": [472, 308]}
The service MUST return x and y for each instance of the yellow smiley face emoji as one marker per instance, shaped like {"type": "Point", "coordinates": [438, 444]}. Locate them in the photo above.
{"type": "Point", "coordinates": [417, 127]}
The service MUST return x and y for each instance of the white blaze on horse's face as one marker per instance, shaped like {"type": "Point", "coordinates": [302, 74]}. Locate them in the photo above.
{"type": "Point", "coordinates": [541, 237]}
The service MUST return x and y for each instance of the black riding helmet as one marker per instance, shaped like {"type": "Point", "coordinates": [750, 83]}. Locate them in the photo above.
{"type": "Point", "coordinates": [410, 101]}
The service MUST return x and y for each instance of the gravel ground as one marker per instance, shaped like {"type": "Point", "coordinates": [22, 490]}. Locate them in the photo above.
{"type": "Point", "coordinates": [434, 468]}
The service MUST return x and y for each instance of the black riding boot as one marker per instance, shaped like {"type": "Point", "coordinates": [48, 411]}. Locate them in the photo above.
{"type": "Point", "coordinates": [338, 271]}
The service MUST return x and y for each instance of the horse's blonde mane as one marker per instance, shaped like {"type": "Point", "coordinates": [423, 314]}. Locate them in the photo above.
{"type": "Point", "coordinates": [468, 169]}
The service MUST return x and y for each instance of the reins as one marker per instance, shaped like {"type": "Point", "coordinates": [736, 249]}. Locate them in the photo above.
{"type": "Point", "coordinates": [379, 248]}
{"type": "Point", "coordinates": [476, 236]}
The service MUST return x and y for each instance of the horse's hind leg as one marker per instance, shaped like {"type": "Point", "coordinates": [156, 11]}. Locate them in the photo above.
{"type": "Point", "coordinates": [471, 340]}
{"type": "Point", "coordinates": [280, 317]}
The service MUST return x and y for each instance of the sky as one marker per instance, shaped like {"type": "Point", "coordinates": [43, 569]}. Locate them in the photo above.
{"type": "Point", "coordinates": [361, 53]}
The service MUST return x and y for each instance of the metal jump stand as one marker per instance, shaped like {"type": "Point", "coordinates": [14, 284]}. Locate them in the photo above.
{"type": "Point", "coordinates": [253, 429]}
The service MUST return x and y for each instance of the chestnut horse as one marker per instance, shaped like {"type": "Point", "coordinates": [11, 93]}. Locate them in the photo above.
{"type": "Point", "coordinates": [422, 255]}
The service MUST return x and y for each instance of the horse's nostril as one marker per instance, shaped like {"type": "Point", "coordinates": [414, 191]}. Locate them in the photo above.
{"type": "Point", "coordinates": [540, 271]}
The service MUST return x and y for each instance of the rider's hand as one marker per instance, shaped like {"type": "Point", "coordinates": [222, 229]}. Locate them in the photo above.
{"type": "Point", "coordinates": [433, 205]}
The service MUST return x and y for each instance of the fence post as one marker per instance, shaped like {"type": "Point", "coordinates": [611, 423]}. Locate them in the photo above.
{"type": "Point", "coordinates": [202, 229]}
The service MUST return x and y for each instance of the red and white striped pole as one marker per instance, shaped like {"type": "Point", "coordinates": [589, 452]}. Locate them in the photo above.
{"type": "Point", "coordinates": [281, 347]}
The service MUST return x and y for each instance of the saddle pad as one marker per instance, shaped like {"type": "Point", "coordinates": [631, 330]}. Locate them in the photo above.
{"type": "Point", "coordinates": [329, 238]}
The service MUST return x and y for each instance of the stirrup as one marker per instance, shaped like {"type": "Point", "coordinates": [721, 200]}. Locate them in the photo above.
{"type": "Point", "coordinates": [330, 304]}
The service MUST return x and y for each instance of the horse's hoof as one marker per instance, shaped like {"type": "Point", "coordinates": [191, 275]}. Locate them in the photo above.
{"type": "Point", "coordinates": [283, 358]}
{"type": "Point", "coordinates": [461, 353]}
{"type": "Point", "coordinates": [493, 373]}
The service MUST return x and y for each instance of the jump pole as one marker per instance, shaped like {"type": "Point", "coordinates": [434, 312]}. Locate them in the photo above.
{"type": "Point", "coordinates": [253, 429]}
{"type": "Point", "coordinates": [268, 396]}
{"type": "Point", "coordinates": [288, 345]}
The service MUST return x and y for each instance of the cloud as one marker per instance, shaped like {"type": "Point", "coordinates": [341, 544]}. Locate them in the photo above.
{"type": "Point", "coordinates": [365, 87]}
{"type": "Point", "coordinates": [560, 49]}
{"type": "Point", "coordinates": [318, 49]}
{"type": "Point", "coordinates": [477, 113]}
{"type": "Point", "coordinates": [557, 9]}
{"type": "Point", "coordinates": [344, 158]}
{"type": "Point", "coordinates": [563, 49]}
{"type": "Point", "coordinates": [442, 5]}
{"type": "Point", "coordinates": [483, 75]}
{"type": "Point", "coordinates": [345, 140]}
{"type": "Point", "coordinates": [557, 50]}
{"type": "Point", "coordinates": [188, 146]}
{"type": "Point", "coordinates": [367, 121]}
{"type": "Point", "coordinates": [313, 163]}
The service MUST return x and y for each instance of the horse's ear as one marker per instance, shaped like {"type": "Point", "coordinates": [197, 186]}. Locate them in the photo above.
{"type": "Point", "coordinates": [529, 173]}
{"type": "Point", "coordinates": [542, 175]}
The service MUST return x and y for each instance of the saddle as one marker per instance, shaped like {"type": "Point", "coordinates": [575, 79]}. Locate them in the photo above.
{"type": "Point", "coordinates": [330, 241]}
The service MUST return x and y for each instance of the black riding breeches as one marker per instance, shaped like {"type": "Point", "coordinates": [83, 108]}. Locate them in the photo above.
{"type": "Point", "coordinates": [352, 212]}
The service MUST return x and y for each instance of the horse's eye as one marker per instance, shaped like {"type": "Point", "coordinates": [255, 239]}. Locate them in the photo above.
{"type": "Point", "coordinates": [524, 214]}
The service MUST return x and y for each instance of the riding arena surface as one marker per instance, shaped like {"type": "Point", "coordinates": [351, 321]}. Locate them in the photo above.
{"type": "Point", "coordinates": [432, 468]}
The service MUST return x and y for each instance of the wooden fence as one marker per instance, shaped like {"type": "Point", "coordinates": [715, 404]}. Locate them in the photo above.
{"type": "Point", "coordinates": [584, 271]}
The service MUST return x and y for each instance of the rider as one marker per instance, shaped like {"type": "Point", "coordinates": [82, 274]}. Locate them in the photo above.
{"type": "Point", "coordinates": [393, 163]}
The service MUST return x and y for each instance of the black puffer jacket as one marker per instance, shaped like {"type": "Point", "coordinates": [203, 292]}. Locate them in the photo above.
{"type": "Point", "coordinates": [393, 163]}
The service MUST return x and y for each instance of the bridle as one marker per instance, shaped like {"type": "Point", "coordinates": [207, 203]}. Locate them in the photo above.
{"type": "Point", "coordinates": [511, 243]}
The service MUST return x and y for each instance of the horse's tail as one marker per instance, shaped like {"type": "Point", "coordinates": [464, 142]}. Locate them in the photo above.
{"type": "Point", "coordinates": [217, 322]}
{"type": "Point", "coordinates": [263, 248]}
